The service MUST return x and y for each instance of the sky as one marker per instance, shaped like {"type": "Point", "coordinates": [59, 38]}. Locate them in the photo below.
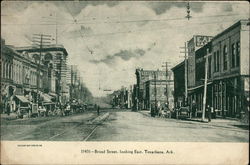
{"type": "Point", "coordinates": [108, 40]}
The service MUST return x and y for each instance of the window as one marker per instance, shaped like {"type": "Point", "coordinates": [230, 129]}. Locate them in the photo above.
{"type": "Point", "coordinates": [215, 62]}
{"type": "Point", "coordinates": [6, 70]}
{"type": "Point", "coordinates": [225, 57]}
{"type": "Point", "coordinates": [10, 72]}
{"type": "Point", "coordinates": [209, 67]}
{"type": "Point", "coordinates": [218, 60]}
{"type": "Point", "coordinates": [238, 54]}
{"type": "Point", "coordinates": [3, 69]}
{"type": "Point", "coordinates": [233, 55]}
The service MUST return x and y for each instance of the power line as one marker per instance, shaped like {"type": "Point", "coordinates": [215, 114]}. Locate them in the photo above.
{"type": "Point", "coordinates": [118, 22]}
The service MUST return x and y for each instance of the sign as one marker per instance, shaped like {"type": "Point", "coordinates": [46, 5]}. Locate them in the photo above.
{"type": "Point", "coordinates": [202, 40]}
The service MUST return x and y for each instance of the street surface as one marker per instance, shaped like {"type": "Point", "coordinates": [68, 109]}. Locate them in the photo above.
{"type": "Point", "coordinates": [122, 125]}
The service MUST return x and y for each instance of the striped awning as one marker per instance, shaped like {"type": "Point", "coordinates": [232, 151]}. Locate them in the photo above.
{"type": "Point", "coordinates": [22, 98]}
{"type": "Point", "coordinates": [46, 98]}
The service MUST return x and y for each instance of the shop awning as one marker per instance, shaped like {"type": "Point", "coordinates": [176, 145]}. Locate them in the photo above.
{"type": "Point", "coordinates": [52, 94]}
{"type": "Point", "coordinates": [22, 99]}
{"type": "Point", "coordinates": [190, 89]}
{"type": "Point", "coordinates": [46, 98]}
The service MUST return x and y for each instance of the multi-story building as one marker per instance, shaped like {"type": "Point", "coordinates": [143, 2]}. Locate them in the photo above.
{"type": "Point", "coordinates": [75, 84]}
{"type": "Point", "coordinates": [19, 77]}
{"type": "Point", "coordinates": [142, 77]}
{"type": "Point", "coordinates": [227, 72]}
{"type": "Point", "coordinates": [156, 92]}
{"type": "Point", "coordinates": [195, 93]}
{"type": "Point", "coordinates": [230, 70]}
{"type": "Point", "coordinates": [7, 87]}
{"type": "Point", "coordinates": [196, 42]}
{"type": "Point", "coordinates": [53, 57]}
{"type": "Point", "coordinates": [179, 84]}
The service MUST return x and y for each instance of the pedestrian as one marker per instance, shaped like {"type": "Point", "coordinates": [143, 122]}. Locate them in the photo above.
{"type": "Point", "coordinates": [193, 108]}
{"type": "Point", "coordinates": [158, 108]}
{"type": "Point", "coordinates": [212, 113]}
{"type": "Point", "coordinates": [98, 110]}
{"type": "Point", "coordinates": [209, 115]}
{"type": "Point", "coordinates": [8, 109]}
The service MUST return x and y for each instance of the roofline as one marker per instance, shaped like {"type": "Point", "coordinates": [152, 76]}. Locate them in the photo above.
{"type": "Point", "coordinates": [48, 48]}
{"type": "Point", "coordinates": [178, 65]}
{"type": "Point", "coordinates": [240, 22]}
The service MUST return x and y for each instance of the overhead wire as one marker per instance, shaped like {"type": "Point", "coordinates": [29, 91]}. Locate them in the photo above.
{"type": "Point", "coordinates": [86, 44]}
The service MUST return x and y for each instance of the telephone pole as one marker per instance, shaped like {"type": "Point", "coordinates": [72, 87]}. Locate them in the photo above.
{"type": "Point", "coordinates": [40, 40]}
{"type": "Point", "coordinates": [185, 69]}
{"type": "Point", "coordinates": [167, 80]}
{"type": "Point", "coordinates": [155, 93]}
{"type": "Point", "coordinates": [188, 11]}
{"type": "Point", "coordinates": [205, 85]}
{"type": "Point", "coordinates": [56, 28]}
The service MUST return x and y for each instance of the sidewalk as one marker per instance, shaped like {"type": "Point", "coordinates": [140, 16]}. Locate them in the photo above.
{"type": "Point", "coordinates": [12, 116]}
{"type": "Point", "coordinates": [218, 122]}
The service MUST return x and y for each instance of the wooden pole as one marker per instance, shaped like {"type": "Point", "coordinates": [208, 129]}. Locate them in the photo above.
{"type": "Point", "coordinates": [186, 78]}
{"type": "Point", "coordinates": [205, 87]}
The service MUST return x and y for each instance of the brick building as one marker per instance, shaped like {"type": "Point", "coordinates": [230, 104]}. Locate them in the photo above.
{"type": "Point", "coordinates": [228, 72]}
{"type": "Point", "coordinates": [55, 58]}
{"type": "Point", "coordinates": [144, 79]}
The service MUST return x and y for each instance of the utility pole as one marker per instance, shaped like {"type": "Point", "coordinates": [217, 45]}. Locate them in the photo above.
{"type": "Point", "coordinates": [205, 86]}
{"type": "Point", "coordinates": [71, 82]}
{"type": "Point", "coordinates": [167, 80]}
{"type": "Point", "coordinates": [185, 69]}
{"type": "Point", "coordinates": [56, 29]}
{"type": "Point", "coordinates": [155, 93]}
{"type": "Point", "coordinates": [40, 40]}
{"type": "Point", "coordinates": [188, 11]}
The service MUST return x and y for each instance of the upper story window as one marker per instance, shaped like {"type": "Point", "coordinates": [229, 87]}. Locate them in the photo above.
{"type": "Point", "coordinates": [233, 57]}
{"type": "Point", "coordinates": [6, 70]}
{"type": "Point", "coordinates": [10, 68]}
{"type": "Point", "coordinates": [237, 54]}
{"type": "Point", "coordinates": [225, 57]}
{"type": "Point", "coordinates": [3, 69]}
{"type": "Point", "coordinates": [218, 60]}
{"type": "Point", "coordinates": [215, 60]}
{"type": "Point", "coordinates": [209, 67]}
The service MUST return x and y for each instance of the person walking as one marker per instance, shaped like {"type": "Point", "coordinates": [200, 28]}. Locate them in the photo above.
{"type": "Point", "coordinates": [8, 109]}
{"type": "Point", "coordinates": [98, 110]}
{"type": "Point", "coordinates": [209, 113]}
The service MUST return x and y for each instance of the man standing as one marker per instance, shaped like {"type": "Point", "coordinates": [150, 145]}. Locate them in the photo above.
{"type": "Point", "coordinates": [8, 109]}
{"type": "Point", "coordinates": [209, 115]}
{"type": "Point", "coordinates": [193, 113]}
{"type": "Point", "coordinates": [98, 110]}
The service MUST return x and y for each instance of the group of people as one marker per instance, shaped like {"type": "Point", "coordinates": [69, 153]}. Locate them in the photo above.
{"type": "Point", "coordinates": [161, 110]}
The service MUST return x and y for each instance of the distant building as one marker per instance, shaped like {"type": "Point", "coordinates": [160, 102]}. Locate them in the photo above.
{"type": "Point", "coordinates": [142, 76]}
{"type": "Point", "coordinates": [156, 91]}
{"type": "Point", "coordinates": [179, 84]}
